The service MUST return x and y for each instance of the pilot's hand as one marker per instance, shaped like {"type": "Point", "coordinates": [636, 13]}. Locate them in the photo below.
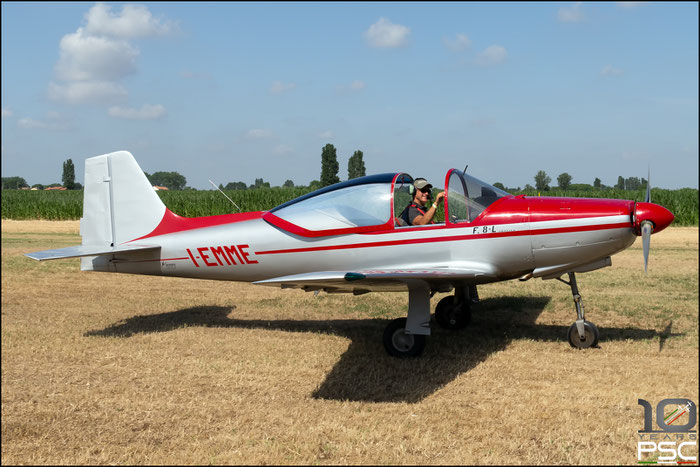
{"type": "Point", "coordinates": [440, 196]}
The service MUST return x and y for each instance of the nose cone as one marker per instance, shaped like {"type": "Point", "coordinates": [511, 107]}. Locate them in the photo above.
{"type": "Point", "coordinates": [658, 215]}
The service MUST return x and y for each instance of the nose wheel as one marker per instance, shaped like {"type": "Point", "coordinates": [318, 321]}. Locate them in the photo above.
{"type": "Point", "coordinates": [590, 336]}
{"type": "Point", "coordinates": [582, 334]}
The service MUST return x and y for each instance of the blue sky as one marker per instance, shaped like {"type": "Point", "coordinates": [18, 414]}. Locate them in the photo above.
{"type": "Point", "coordinates": [238, 91]}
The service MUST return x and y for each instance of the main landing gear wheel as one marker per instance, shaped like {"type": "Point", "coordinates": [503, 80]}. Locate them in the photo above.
{"type": "Point", "coordinates": [451, 315]}
{"type": "Point", "coordinates": [590, 339]}
{"type": "Point", "coordinates": [400, 344]}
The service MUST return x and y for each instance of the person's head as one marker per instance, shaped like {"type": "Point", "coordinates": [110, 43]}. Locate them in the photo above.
{"type": "Point", "coordinates": [422, 192]}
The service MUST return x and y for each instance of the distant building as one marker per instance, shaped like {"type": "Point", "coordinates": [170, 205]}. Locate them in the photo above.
{"type": "Point", "coordinates": [156, 188]}
{"type": "Point", "coordinates": [60, 188]}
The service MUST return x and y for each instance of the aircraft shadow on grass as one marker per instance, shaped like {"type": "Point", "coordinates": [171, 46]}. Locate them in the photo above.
{"type": "Point", "coordinates": [366, 373]}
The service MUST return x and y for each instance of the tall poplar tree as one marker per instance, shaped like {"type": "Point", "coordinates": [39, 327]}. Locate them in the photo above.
{"type": "Point", "coordinates": [329, 166]}
{"type": "Point", "coordinates": [68, 174]}
{"type": "Point", "coordinates": [356, 166]}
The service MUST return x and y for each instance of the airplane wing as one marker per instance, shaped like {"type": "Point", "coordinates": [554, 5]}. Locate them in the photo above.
{"type": "Point", "coordinates": [380, 280]}
{"type": "Point", "coordinates": [87, 250]}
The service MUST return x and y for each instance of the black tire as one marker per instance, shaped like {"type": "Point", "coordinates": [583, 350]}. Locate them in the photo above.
{"type": "Point", "coordinates": [451, 316]}
{"type": "Point", "coordinates": [399, 344]}
{"type": "Point", "coordinates": [591, 333]}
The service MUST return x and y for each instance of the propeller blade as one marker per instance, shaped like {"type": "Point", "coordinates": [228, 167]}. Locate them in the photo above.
{"type": "Point", "coordinates": [648, 198]}
{"type": "Point", "coordinates": [647, 228]}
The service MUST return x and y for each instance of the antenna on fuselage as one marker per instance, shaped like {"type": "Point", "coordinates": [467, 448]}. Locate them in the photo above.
{"type": "Point", "coordinates": [465, 169]}
{"type": "Point", "coordinates": [215, 186]}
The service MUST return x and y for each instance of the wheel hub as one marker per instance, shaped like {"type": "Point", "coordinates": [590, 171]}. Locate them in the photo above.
{"type": "Point", "coordinates": [402, 341]}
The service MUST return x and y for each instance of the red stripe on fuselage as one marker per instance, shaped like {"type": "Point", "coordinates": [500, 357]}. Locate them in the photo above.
{"type": "Point", "coordinates": [412, 241]}
{"type": "Point", "coordinates": [172, 223]}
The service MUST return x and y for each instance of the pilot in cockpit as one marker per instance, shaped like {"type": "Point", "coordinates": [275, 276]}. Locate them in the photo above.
{"type": "Point", "coordinates": [419, 212]}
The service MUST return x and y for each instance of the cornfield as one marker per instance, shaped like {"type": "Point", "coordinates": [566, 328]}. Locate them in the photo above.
{"type": "Point", "coordinates": [65, 205]}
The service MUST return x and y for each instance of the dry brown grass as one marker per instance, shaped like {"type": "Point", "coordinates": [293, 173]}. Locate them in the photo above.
{"type": "Point", "coordinates": [118, 369]}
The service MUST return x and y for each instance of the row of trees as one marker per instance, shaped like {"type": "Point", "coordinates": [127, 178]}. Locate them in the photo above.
{"type": "Point", "coordinates": [329, 176]}
{"type": "Point", "coordinates": [329, 171]}
{"type": "Point", "coordinates": [170, 180]}
{"type": "Point", "coordinates": [542, 181]}
{"type": "Point", "coordinates": [68, 179]}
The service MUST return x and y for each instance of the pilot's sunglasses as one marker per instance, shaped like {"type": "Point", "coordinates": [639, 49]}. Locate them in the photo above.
{"type": "Point", "coordinates": [425, 190]}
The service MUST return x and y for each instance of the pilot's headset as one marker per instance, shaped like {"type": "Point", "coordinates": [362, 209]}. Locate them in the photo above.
{"type": "Point", "coordinates": [419, 183]}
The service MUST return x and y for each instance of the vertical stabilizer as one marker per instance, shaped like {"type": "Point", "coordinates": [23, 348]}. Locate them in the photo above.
{"type": "Point", "coordinates": [119, 203]}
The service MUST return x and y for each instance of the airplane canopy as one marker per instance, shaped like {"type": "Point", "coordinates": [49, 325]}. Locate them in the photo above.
{"type": "Point", "coordinates": [375, 202]}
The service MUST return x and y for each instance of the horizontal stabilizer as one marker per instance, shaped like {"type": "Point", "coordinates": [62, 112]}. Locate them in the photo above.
{"type": "Point", "coordinates": [86, 250]}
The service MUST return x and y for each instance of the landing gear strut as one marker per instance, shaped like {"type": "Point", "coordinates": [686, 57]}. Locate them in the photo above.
{"type": "Point", "coordinates": [406, 337]}
{"type": "Point", "coordinates": [582, 334]}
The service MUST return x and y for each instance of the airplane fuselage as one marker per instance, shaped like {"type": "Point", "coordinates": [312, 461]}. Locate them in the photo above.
{"type": "Point", "coordinates": [517, 237]}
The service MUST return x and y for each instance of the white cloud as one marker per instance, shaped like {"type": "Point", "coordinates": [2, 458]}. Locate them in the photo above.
{"type": "Point", "coordinates": [6, 113]}
{"type": "Point", "coordinates": [86, 92]}
{"type": "Point", "coordinates": [492, 55]}
{"type": "Point", "coordinates": [328, 134]}
{"type": "Point", "coordinates": [30, 123]}
{"type": "Point", "coordinates": [146, 112]}
{"type": "Point", "coordinates": [386, 34]}
{"type": "Point", "coordinates": [278, 87]}
{"type": "Point", "coordinates": [259, 134]}
{"type": "Point", "coordinates": [134, 21]}
{"type": "Point", "coordinates": [94, 59]}
{"type": "Point", "coordinates": [355, 86]}
{"type": "Point", "coordinates": [91, 58]}
{"type": "Point", "coordinates": [54, 121]}
{"type": "Point", "coordinates": [282, 149]}
{"type": "Point", "coordinates": [458, 44]}
{"type": "Point", "coordinates": [609, 70]}
{"type": "Point", "coordinates": [571, 14]}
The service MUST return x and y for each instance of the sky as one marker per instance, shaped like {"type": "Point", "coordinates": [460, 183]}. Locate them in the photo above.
{"type": "Point", "coordinates": [239, 91]}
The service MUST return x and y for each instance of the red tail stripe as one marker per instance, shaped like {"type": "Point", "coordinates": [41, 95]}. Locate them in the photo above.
{"type": "Point", "coordinates": [172, 223]}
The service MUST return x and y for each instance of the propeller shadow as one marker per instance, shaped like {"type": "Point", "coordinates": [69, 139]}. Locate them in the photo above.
{"type": "Point", "coordinates": [365, 372]}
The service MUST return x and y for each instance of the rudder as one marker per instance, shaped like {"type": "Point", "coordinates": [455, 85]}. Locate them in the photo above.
{"type": "Point", "coordinates": [119, 203]}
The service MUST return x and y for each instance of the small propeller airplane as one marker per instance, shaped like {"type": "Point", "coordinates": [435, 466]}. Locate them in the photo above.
{"type": "Point", "coordinates": [350, 238]}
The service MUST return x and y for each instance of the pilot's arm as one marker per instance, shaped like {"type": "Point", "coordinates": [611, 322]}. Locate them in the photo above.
{"type": "Point", "coordinates": [427, 218]}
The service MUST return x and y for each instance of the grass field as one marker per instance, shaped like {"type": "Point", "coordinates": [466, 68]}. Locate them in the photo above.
{"type": "Point", "coordinates": [119, 369]}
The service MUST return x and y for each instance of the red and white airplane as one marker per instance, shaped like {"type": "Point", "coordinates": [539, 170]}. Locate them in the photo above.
{"type": "Point", "coordinates": [349, 238]}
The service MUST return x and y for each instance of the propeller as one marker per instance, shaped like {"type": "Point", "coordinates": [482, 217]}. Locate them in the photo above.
{"type": "Point", "coordinates": [650, 218]}
{"type": "Point", "coordinates": [647, 227]}
{"type": "Point", "coordinates": [648, 198]}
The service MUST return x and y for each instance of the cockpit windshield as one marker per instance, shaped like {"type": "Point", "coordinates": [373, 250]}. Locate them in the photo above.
{"type": "Point", "coordinates": [468, 197]}
{"type": "Point", "coordinates": [357, 205]}
{"type": "Point", "coordinates": [353, 206]}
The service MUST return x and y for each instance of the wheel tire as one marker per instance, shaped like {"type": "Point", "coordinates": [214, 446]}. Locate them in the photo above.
{"type": "Point", "coordinates": [591, 339]}
{"type": "Point", "coordinates": [399, 344]}
{"type": "Point", "coordinates": [451, 316]}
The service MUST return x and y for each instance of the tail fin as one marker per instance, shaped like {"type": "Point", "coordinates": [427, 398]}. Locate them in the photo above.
{"type": "Point", "coordinates": [119, 202]}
